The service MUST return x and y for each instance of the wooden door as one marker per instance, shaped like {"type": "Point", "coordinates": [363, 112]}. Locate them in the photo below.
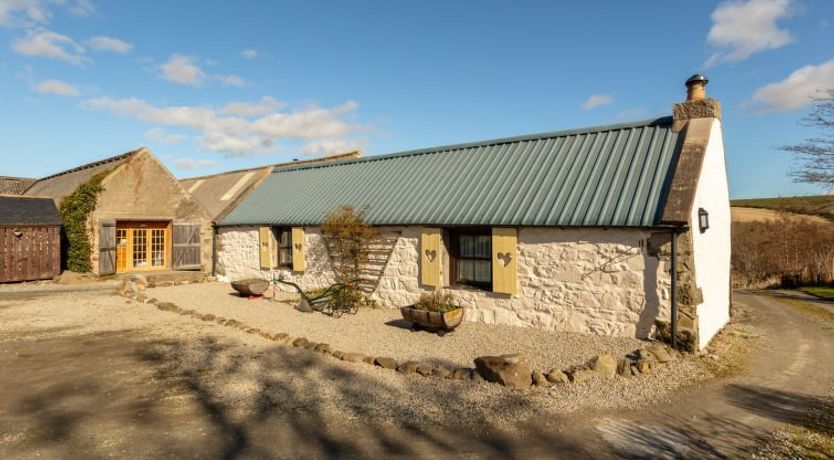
{"type": "Point", "coordinates": [143, 246]}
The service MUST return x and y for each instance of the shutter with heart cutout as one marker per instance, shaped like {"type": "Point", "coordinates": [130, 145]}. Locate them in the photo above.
{"type": "Point", "coordinates": [299, 261]}
{"type": "Point", "coordinates": [504, 260]}
{"type": "Point", "coordinates": [430, 257]}
{"type": "Point", "coordinates": [265, 246]}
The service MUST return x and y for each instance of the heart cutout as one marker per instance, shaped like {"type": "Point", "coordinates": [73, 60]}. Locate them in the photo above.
{"type": "Point", "coordinates": [297, 246]}
{"type": "Point", "coordinates": [431, 254]}
{"type": "Point", "coordinates": [504, 258]}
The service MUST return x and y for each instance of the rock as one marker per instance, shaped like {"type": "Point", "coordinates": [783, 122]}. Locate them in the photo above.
{"type": "Point", "coordinates": [634, 371]}
{"type": "Point", "coordinates": [310, 345]}
{"type": "Point", "coordinates": [300, 342]}
{"type": "Point", "coordinates": [660, 353]}
{"type": "Point", "coordinates": [643, 354]}
{"type": "Point", "coordinates": [604, 365]}
{"type": "Point", "coordinates": [508, 370]}
{"type": "Point", "coordinates": [338, 354]}
{"type": "Point", "coordinates": [386, 363]}
{"type": "Point", "coordinates": [322, 348]}
{"type": "Point", "coordinates": [461, 373]}
{"type": "Point", "coordinates": [368, 359]}
{"type": "Point", "coordinates": [583, 374]}
{"type": "Point", "coordinates": [624, 367]}
{"type": "Point", "coordinates": [280, 336]}
{"type": "Point", "coordinates": [208, 317]}
{"type": "Point", "coordinates": [644, 366]}
{"type": "Point", "coordinates": [304, 307]}
{"type": "Point", "coordinates": [353, 357]}
{"type": "Point", "coordinates": [539, 379]}
{"type": "Point", "coordinates": [230, 323]}
{"type": "Point", "coordinates": [557, 376]}
{"type": "Point", "coordinates": [152, 300]}
{"type": "Point", "coordinates": [425, 370]}
{"type": "Point", "coordinates": [141, 281]}
{"type": "Point", "coordinates": [267, 335]}
{"type": "Point", "coordinates": [142, 297]}
{"type": "Point", "coordinates": [167, 306]}
{"type": "Point", "coordinates": [441, 372]}
{"type": "Point", "coordinates": [408, 367]}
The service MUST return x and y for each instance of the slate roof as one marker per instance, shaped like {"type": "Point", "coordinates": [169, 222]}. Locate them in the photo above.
{"type": "Point", "coordinates": [61, 184]}
{"type": "Point", "coordinates": [615, 175]}
{"type": "Point", "coordinates": [15, 185]}
{"type": "Point", "coordinates": [23, 210]}
{"type": "Point", "coordinates": [218, 193]}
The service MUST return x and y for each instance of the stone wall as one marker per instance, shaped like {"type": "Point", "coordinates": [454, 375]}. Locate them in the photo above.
{"type": "Point", "coordinates": [580, 280]}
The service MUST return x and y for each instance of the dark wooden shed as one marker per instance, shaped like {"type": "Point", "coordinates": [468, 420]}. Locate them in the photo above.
{"type": "Point", "coordinates": [30, 239]}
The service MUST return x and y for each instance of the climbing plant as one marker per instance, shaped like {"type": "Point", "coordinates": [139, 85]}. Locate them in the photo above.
{"type": "Point", "coordinates": [348, 239]}
{"type": "Point", "coordinates": [75, 211]}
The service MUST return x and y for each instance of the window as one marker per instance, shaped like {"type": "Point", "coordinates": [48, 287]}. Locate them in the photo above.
{"type": "Point", "coordinates": [284, 238]}
{"type": "Point", "coordinates": [471, 254]}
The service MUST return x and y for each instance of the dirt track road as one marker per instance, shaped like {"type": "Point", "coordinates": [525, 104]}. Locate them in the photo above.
{"type": "Point", "coordinates": [127, 394]}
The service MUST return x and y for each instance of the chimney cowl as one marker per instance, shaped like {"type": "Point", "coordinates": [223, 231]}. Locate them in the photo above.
{"type": "Point", "coordinates": [696, 88]}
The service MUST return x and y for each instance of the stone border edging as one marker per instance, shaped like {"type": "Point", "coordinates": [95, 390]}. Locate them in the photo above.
{"type": "Point", "coordinates": [508, 370]}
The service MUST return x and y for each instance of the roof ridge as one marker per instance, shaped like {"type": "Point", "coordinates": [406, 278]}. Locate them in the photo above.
{"type": "Point", "coordinates": [92, 164]}
{"type": "Point", "coordinates": [346, 155]}
{"type": "Point", "coordinates": [497, 141]}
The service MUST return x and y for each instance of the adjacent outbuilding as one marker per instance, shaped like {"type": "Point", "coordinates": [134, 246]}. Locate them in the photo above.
{"type": "Point", "coordinates": [605, 230]}
{"type": "Point", "coordinates": [30, 239]}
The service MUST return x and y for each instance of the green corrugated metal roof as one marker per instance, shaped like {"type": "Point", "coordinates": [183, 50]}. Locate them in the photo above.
{"type": "Point", "coordinates": [615, 175]}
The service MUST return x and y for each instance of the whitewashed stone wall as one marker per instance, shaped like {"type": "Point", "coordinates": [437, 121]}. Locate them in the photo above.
{"type": "Point", "coordinates": [579, 280]}
{"type": "Point", "coordinates": [238, 257]}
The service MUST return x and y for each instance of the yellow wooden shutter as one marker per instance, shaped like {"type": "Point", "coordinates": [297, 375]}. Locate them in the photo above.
{"type": "Point", "coordinates": [299, 262]}
{"type": "Point", "coordinates": [430, 257]}
{"type": "Point", "coordinates": [265, 234]}
{"type": "Point", "coordinates": [504, 260]}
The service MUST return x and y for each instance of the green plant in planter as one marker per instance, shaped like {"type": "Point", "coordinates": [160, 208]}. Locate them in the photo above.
{"type": "Point", "coordinates": [436, 301]}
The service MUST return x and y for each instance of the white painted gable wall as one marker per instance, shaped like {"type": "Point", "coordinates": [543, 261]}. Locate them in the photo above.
{"type": "Point", "coordinates": [712, 248]}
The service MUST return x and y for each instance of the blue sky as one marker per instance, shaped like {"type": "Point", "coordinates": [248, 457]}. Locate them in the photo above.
{"type": "Point", "coordinates": [212, 86]}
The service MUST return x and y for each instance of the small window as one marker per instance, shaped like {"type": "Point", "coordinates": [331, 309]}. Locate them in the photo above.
{"type": "Point", "coordinates": [471, 254]}
{"type": "Point", "coordinates": [284, 238]}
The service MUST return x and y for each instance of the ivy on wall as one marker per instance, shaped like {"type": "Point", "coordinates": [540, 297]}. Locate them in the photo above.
{"type": "Point", "coordinates": [75, 211]}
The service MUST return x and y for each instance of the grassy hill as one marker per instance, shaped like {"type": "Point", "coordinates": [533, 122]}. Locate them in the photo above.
{"type": "Point", "coordinates": [821, 205]}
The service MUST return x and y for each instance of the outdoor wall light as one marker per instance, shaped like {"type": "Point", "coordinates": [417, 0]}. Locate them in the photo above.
{"type": "Point", "coordinates": [703, 219]}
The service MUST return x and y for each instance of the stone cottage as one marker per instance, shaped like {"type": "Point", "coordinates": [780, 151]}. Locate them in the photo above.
{"type": "Point", "coordinates": [605, 230]}
{"type": "Point", "coordinates": [144, 220]}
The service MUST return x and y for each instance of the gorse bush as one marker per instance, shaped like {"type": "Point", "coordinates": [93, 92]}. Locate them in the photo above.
{"type": "Point", "coordinates": [75, 210]}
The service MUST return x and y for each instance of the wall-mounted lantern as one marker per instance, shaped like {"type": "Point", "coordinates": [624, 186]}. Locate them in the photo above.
{"type": "Point", "coordinates": [703, 219]}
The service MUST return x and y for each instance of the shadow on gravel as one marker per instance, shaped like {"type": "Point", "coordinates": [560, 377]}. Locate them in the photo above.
{"type": "Point", "coordinates": [785, 407]}
{"type": "Point", "coordinates": [119, 394]}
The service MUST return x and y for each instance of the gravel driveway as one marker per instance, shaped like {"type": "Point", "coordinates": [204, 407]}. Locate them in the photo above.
{"type": "Point", "coordinates": [382, 332]}
{"type": "Point", "coordinates": [95, 375]}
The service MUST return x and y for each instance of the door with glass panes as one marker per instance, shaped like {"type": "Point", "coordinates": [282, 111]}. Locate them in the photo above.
{"type": "Point", "coordinates": [142, 246]}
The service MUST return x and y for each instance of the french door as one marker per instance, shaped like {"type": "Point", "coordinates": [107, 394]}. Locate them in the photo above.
{"type": "Point", "coordinates": [143, 246]}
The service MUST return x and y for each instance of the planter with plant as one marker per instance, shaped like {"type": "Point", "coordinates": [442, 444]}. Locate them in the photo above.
{"type": "Point", "coordinates": [434, 310]}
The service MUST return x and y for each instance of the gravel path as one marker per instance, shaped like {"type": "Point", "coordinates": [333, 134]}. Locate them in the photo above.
{"type": "Point", "coordinates": [382, 332]}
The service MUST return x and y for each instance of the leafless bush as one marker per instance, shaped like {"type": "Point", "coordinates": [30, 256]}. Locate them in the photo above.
{"type": "Point", "coordinates": [788, 251]}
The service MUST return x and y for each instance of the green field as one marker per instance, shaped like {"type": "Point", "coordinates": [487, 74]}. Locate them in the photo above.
{"type": "Point", "coordinates": [820, 205]}
{"type": "Point", "coordinates": [826, 293]}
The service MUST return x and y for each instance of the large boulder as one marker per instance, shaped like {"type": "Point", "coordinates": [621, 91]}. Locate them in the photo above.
{"type": "Point", "coordinates": [605, 365]}
{"type": "Point", "coordinates": [508, 370]}
{"type": "Point", "coordinates": [660, 352]}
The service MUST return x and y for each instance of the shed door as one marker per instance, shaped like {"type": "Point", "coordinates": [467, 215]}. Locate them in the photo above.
{"type": "Point", "coordinates": [107, 248]}
{"type": "Point", "coordinates": [186, 246]}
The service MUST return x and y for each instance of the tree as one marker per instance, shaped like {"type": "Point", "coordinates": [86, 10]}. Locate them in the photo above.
{"type": "Point", "coordinates": [816, 154]}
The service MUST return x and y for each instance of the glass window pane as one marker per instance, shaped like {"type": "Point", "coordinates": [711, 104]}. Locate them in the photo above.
{"type": "Point", "coordinates": [474, 270]}
{"type": "Point", "coordinates": [477, 246]}
{"type": "Point", "coordinates": [285, 256]}
{"type": "Point", "coordinates": [283, 238]}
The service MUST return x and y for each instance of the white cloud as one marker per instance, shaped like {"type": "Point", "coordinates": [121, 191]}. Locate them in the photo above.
{"type": "Point", "coordinates": [743, 28]}
{"type": "Point", "coordinates": [332, 147]}
{"type": "Point", "coordinates": [242, 128]}
{"type": "Point", "coordinates": [159, 135]}
{"type": "Point", "coordinates": [47, 44]}
{"type": "Point", "coordinates": [190, 163]}
{"type": "Point", "coordinates": [17, 13]}
{"type": "Point", "coordinates": [56, 87]}
{"type": "Point", "coordinates": [82, 8]}
{"type": "Point", "coordinates": [597, 100]}
{"type": "Point", "coordinates": [109, 44]}
{"type": "Point", "coordinates": [795, 91]}
{"type": "Point", "coordinates": [249, 54]}
{"type": "Point", "coordinates": [230, 80]}
{"type": "Point", "coordinates": [181, 69]}
{"type": "Point", "coordinates": [250, 109]}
